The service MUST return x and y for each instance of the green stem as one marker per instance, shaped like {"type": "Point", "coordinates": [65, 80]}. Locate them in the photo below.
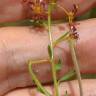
{"type": "Point", "coordinates": [76, 65]}
{"type": "Point", "coordinates": [37, 82]}
{"type": "Point", "coordinates": [66, 12]}
{"type": "Point", "coordinates": [64, 37]}
{"type": "Point", "coordinates": [52, 58]}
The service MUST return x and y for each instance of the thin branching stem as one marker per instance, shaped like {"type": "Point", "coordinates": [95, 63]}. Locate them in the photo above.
{"type": "Point", "coordinates": [66, 12]}
{"type": "Point", "coordinates": [37, 82]}
{"type": "Point", "coordinates": [76, 64]}
{"type": "Point", "coordinates": [52, 50]}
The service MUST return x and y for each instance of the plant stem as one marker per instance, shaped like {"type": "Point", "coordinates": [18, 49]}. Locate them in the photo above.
{"type": "Point", "coordinates": [37, 82]}
{"type": "Point", "coordinates": [51, 46]}
{"type": "Point", "coordinates": [76, 65]}
{"type": "Point", "coordinates": [66, 12]}
{"type": "Point", "coordinates": [64, 37]}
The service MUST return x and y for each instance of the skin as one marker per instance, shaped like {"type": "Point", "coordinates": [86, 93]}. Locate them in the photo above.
{"type": "Point", "coordinates": [88, 88]}
{"type": "Point", "coordinates": [14, 10]}
{"type": "Point", "coordinates": [17, 47]}
{"type": "Point", "coordinates": [22, 45]}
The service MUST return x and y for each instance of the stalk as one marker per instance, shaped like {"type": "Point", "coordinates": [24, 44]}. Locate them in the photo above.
{"type": "Point", "coordinates": [76, 64]}
{"type": "Point", "coordinates": [37, 82]}
{"type": "Point", "coordinates": [52, 50]}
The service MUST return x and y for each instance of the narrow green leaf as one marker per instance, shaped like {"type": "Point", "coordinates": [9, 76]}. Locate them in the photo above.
{"type": "Point", "coordinates": [50, 51]}
{"type": "Point", "coordinates": [58, 66]}
{"type": "Point", "coordinates": [67, 76]}
{"type": "Point", "coordinates": [40, 90]}
{"type": "Point", "coordinates": [61, 38]}
{"type": "Point", "coordinates": [43, 92]}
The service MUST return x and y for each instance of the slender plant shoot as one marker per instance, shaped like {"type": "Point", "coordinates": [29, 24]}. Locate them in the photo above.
{"type": "Point", "coordinates": [40, 10]}
{"type": "Point", "coordinates": [52, 53]}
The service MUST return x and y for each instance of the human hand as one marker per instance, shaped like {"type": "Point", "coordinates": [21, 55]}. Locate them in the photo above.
{"type": "Point", "coordinates": [24, 43]}
{"type": "Point", "coordinates": [21, 45]}
{"type": "Point", "coordinates": [14, 10]}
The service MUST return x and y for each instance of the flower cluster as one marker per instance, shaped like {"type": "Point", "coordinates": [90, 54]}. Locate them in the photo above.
{"type": "Point", "coordinates": [39, 9]}
{"type": "Point", "coordinates": [72, 26]}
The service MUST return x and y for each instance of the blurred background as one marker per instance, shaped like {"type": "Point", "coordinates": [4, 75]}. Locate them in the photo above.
{"type": "Point", "coordinates": [90, 14]}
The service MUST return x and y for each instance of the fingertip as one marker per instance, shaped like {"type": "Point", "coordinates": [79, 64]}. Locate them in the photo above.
{"type": "Point", "coordinates": [11, 10]}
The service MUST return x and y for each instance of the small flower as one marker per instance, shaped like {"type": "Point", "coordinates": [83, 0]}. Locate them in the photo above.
{"type": "Point", "coordinates": [71, 14]}
{"type": "Point", "coordinates": [72, 26]}
{"type": "Point", "coordinates": [73, 34]}
{"type": "Point", "coordinates": [39, 9]}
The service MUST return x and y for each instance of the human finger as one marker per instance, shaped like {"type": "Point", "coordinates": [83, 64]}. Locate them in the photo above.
{"type": "Point", "coordinates": [71, 87]}
{"type": "Point", "coordinates": [15, 10]}
{"type": "Point", "coordinates": [20, 44]}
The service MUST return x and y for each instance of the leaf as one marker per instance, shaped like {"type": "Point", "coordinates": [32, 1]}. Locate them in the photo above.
{"type": "Point", "coordinates": [50, 51]}
{"type": "Point", "coordinates": [67, 76]}
{"type": "Point", "coordinates": [43, 91]}
{"type": "Point", "coordinates": [40, 90]}
{"type": "Point", "coordinates": [61, 38]}
{"type": "Point", "coordinates": [58, 66]}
